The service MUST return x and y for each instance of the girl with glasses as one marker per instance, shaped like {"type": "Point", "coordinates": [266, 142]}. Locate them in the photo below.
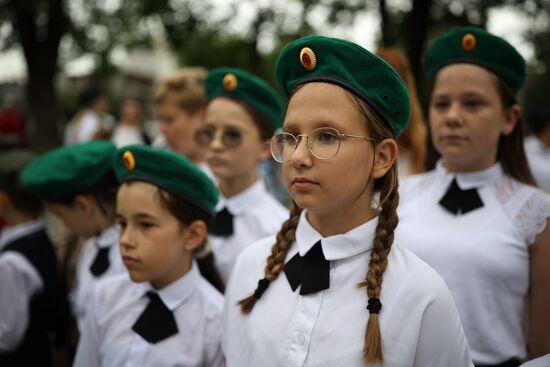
{"type": "Point", "coordinates": [477, 217]}
{"type": "Point", "coordinates": [241, 115]}
{"type": "Point", "coordinates": [332, 289]}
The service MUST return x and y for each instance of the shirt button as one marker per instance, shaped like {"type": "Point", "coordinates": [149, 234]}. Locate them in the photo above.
{"type": "Point", "coordinates": [301, 339]}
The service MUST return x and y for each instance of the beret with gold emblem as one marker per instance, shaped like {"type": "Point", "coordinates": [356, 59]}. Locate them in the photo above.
{"type": "Point", "coordinates": [167, 170]}
{"type": "Point", "coordinates": [474, 45]}
{"type": "Point", "coordinates": [350, 66]}
{"type": "Point", "coordinates": [250, 89]}
{"type": "Point", "coordinates": [67, 171]}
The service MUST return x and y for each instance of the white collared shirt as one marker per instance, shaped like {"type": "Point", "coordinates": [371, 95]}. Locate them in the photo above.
{"type": "Point", "coordinates": [85, 281]}
{"type": "Point", "coordinates": [108, 339]}
{"type": "Point", "coordinates": [256, 215]}
{"type": "Point", "coordinates": [538, 156]}
{"type": "Point", "coordinates": [418, 321]}
{"type": "Point", "coordinates": [482, 255]}
{"type": "Point", "coordinates": [19, 282]}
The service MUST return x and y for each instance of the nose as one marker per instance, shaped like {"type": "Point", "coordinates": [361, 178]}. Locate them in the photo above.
{"type": "Point", "coordinates": [125, 238]}
{"type": "Point", "coordinates": [454, 117]}
{"type": "Point", "coordinates": [217, 141]}
{"type": "Point", "coordinates": [301, 157]}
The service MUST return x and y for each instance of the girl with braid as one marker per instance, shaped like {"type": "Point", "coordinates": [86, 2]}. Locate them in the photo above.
{"type": "Point", "coordinates": [332, 289]}
{"type": "Point", "coordinates": [477, 217]}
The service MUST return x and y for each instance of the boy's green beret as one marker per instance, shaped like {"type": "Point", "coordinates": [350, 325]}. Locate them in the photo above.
{"type": "Point", "coordinates": [167, 170]}
{"type": "Point", "coordinates": [68, 171]}
{"type": "Point", "coordinates": [331, 60]}
{"type": "Point", "coordinates": [243, 86]}
{"type": "Point", "coordinates": [476, 46]}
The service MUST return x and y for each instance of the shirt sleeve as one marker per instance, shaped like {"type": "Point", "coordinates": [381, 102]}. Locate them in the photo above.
{"type": "Point", "coordinates": [441, 340]}
{"type": "Point", "coordinates": [87, 353]}
{"type": "Point", "coordinates": [19, 281]}
{"type": "Point", "coordinates": [88, 128]}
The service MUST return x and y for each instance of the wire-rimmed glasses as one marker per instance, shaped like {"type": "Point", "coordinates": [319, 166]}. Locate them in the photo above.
{"type": "Point", "coordinates": [324, 143]}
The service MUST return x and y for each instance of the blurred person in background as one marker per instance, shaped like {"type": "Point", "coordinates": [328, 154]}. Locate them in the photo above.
{"type": "Point", "coordinates": [179, 103]}
{"type": "Point", "coordinates": [537, 146]}
{"type": "Point", "coordinates": [12, 124]}
{"type": "Point", "coordinates": [91, 121]}
{"type": "Point", "coordinates": [129, 129]}
{"type": "Point", "coordinates": [412, 143]}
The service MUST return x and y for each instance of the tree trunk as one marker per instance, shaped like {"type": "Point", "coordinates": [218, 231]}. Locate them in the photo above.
{"type": "Point", "coordinates": [418, 25]}
{"type": "Point", "coordinates": [384, 23]}
{"type": "Point", "coordinates": [41, 45]}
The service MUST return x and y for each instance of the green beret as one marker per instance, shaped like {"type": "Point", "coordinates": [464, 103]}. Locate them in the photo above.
{"type": "Point", "coordinates": [330, 60]}
{"type": "Point", "coordinates": [243, 86]}
{"type": "Point", "coordinates": [473, 45]}
{"type": "Point", "coordinates": [167, 170]}
{"type": "Point", "coordinates": [68, 171]}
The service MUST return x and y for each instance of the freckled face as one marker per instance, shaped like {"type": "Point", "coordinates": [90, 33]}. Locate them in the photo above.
{"type": "Point", "coordinates": [339, 183]}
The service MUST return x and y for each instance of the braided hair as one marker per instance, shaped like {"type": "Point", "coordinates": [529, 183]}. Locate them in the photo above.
{"type": "Point", "coordinates": [386, 186]}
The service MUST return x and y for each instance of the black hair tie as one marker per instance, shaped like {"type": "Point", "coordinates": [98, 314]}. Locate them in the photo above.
{"type": "Point", "coordinates": [262, 286]}
{"type": "Point", "coordinates": [374, 305]}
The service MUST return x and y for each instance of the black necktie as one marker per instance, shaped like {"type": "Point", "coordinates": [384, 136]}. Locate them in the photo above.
{"type": "Point", "coordinates": [223, 223]}
{"type": "Point", "coordinates": [457, 200]}
{"type": "Point", "coordinates": [312, 271]}
{"type": "Point", "coordinates": [101, 262]}
{"type": "Point", "coordinates": [156, 322]}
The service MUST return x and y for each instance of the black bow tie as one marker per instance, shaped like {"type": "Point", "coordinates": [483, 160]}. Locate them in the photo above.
{"type": "Point", "coordinates": [156, 322]}
{"type": "Point", "coordinates": [101, 262]}
{"type": "Point", "coordinates": [461, 201]}
{"type": "Point", "coordinates": [312, 271]}
{"type": "Point", "coordinates": [223, 223]}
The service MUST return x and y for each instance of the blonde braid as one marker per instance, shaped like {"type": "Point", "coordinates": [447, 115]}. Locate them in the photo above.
{"type": "Point", "coordinates": [387, 222]}
{"type": "Point", "coordinates": [275, 263]}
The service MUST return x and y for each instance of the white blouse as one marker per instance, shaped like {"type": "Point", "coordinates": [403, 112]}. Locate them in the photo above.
{"type": "Point", "coordinates": [108, 339]}
{"type": "Point", "coordinates": [419, 322]}
{"type": "Point", "coordinates": [256, 215]}
{"type": "Point", "coordinates": [482, 255]}
{"type": "Point", "coordinates": [85, 281]}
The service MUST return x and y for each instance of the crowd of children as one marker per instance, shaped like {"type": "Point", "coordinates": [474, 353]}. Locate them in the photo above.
{"type": "Point", "coordinates": [188, 260]}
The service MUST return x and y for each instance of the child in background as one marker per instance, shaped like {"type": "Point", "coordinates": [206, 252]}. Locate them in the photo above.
{"type": "Point", "coordinates": [78, 184]}
{"type": "Point", "coordinates": [242, 113]}
{"type": "Point", "coordinates": [27, 271]}
{"type": "Point", "coordinates": [477, 218]}
{"type": "Point", "coordinates": [168, 315]}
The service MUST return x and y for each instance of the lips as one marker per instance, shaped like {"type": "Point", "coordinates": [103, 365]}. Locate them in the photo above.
{"type": "Point", "coordinates": [130, 262]}
{"type": "Point", "coordinates": [303, 183]}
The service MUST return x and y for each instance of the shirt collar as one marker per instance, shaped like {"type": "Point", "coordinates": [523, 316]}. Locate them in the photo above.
{"type": "Point", "coordinates": [469, 180]}
{"type": "Point", "coordinates": [340, 246]}
{"type": "Point", "coordinates": [238, 204]}
{"type": "Point", "coordinates": [177, 292]}
{"type": "Point", "coordinates": [108, 237]}
{"type": "Point", "coordinates": [10, 234]}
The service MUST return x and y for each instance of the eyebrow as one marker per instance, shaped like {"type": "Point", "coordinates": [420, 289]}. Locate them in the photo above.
{"type": "Point", "coordinates": [292, 126]}
{"type": "Point", "coordinates": [137, 216]}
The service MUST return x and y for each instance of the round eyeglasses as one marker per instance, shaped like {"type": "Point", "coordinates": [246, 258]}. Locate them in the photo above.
{"type": "Point", "coordinates": [231, 138]}
{"type": "Point", "coordinates": [323, 143]}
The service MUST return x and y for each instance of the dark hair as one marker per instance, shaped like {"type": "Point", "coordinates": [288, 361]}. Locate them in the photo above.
{"type": "Point", "coordinates": [262, 123]}
{"type": "Point", "coordinates": [103, 192]}
{"type": "Point", "coordinates": [386, 186]}
{"type": "Point", "coordinates": [89, 95]}
{"type": "Point", "coordinates": [20, 198]}
{"type": "Point", "coordinates": [510, 152]}
{"type": "Point", "coordinates": [186, 213]}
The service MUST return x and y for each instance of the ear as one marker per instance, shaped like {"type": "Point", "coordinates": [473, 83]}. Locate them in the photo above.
{"type": "Point", "coordinates": [265, 150]}
{"type": "Point", "coordinates": [84, 203]}
{"type": "Point", "coordinates": [511, 118]}
{"type": "Point", "coordinates": [385, 155]}
{"type": "Point", "coordinates": [195, 235]}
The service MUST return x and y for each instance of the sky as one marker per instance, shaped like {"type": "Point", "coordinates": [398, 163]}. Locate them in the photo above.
{"type": "Point", "coordinates": [504, 22]}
